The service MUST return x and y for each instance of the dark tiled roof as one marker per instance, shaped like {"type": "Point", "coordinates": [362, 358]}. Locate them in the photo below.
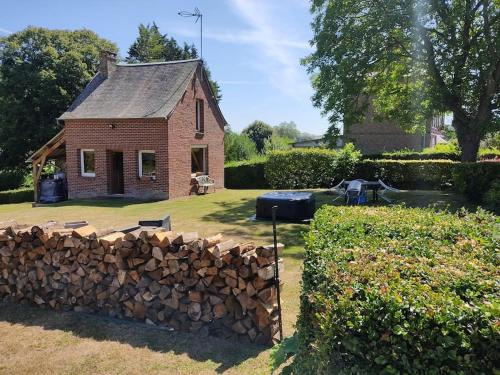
{"type": "Point", "coordinates": [134, 91]}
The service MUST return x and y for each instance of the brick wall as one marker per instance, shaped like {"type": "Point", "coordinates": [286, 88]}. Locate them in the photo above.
{"type": "Point", "coordinates": [128, 136]}
{"type": "Point", "coordinates": [373, 137]}
{"type": "Point", "coordinates": [182, 136]}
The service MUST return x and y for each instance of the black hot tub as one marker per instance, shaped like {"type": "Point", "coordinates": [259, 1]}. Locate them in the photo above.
{"type": "Point", "coordinates": [292, 205]}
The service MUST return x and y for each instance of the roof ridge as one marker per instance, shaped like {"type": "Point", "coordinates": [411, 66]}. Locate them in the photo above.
{"type": "Point", "coordinates": [159, 62]}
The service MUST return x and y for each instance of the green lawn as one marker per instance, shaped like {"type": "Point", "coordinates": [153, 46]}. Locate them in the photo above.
{"type": "Point", "coordinates": [35, 341]}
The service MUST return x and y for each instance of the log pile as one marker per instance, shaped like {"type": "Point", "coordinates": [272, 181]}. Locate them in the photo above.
{"type": "Point", "coordinates": [205, 285]}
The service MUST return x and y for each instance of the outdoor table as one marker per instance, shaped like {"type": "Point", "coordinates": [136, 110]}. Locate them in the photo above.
{"type": "Point", "coordinates": [374, 186]}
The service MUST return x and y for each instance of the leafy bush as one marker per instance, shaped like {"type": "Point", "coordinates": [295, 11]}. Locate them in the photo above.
{"type": "Point", "coordinates": [395, 290]}
{"type": "Point", "coordinates": [11, 178]}
{"type": "Point", "coordinates": [492, 197]}
{"type": "Point", "coordinates": [276, 143]}
{"type": "Point", "coordinates": [475, 179]}
{"type": "Point", "coordinates": [16, 196]}
{"type": "Point", "coordinates": [310, 168]}
{"type": "Point", "coordinates": [246, 175]}
{"type": "Point", "coordinates": [408, 174]}
{"type": "Point", "coordinates": [413, 155]}
{"type": "Point", "coordinates": [238, 147]}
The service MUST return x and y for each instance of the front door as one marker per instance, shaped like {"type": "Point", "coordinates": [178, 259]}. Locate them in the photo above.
{"type": "Point", "coordinates": [116, 176]}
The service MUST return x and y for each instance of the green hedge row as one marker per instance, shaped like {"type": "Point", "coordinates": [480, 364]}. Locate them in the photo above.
{"type": "Point", "coordinates": [406, 155]}
{"type": "Point", "coordinates": [394, 290]}
{"type": "Point", "coordinates": [409, 174]}
{"type": "Point", "coordinates": [484, 154]}
{"type": "Point", "coordinates": [11, 179]}
{"type": "Point", "coordinates": [16, 196]}
{"type": "Point", "coordinates": [316, 168]}
{"type": "Point", "coordinates": [245, 175]}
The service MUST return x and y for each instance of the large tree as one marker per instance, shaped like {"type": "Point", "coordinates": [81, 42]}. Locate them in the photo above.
{"type": "Point", "coordinates": [41, 73]}
{"type": "Point", "coordinates": [413, 58]}
{"type": "Point", "coordinates": [258, 131]}
{"type": "Point", "coordinates": [153, 46]}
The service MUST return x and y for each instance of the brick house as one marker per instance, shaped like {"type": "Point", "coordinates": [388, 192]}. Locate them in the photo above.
{"type": "Point", "coordinates": [139, 130]}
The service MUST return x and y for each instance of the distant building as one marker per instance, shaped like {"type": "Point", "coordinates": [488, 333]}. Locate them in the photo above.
{"type": "Point", "coordinates": [373, 137]}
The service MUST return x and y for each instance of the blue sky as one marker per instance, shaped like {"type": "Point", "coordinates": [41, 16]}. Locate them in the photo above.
{"type": "Point", "coordinates": [253, 47]}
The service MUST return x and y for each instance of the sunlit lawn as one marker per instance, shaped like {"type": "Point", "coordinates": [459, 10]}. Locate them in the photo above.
{"type": "Point", "coordinates": [35, 341]}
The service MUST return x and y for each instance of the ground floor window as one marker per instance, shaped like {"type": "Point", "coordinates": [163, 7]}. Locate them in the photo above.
{"type": "Point", "coordinates": [199, 159]}
{"type": "Point", "coordinates": [147, 163]}
{"type": "Point", "coordinates": [87, 163]}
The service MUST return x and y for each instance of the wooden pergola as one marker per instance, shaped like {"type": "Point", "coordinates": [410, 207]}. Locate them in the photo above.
{"type": "Point", "coordinates": [53, 149]}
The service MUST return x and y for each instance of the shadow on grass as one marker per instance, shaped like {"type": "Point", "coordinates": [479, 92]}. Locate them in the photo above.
{"type": "Point", "coordinates": [136, 334]}
{"type": "Point", "coordinates": [98, 202]}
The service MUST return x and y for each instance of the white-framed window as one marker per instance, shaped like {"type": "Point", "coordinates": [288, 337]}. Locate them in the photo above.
{"type": "Point", "coordinates": [199, 159]}
{"type": "Point", "coordinates": [87, 162]}
{"type": "Point", "coordinates": [147, 163]}
{"type": "Point", "coordinates": [199, 115]}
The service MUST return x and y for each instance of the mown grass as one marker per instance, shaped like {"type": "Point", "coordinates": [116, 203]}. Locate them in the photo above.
{"type": "Point", "coordinates": [36, 341]}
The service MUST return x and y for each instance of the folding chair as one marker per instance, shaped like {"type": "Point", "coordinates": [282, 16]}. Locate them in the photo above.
{"type": "Point", "coordinates": [338, 190]}
{"type": "Point", "coordinates": [384, 189]}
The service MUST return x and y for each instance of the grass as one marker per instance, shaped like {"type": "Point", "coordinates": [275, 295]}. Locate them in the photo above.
{"type": "Point", "coordinates": [66, 343]}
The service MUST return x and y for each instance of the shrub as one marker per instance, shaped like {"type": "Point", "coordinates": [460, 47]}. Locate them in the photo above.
{"type": "Point", "coordinates": [246, 175]}
{"type": "Point", "coordinates": [276, 143]}
{"type": "Point", "coordinates": [310, 168]}
{"type": "Point", "coordinates": [394, 290]}
{"type": "Point", "coordinates": [413, 155]}
{"type": "Point", "coordinates": [16, 196]}
{"type": "Point", "coordinates": [475, 179]}
{"type": "Point", "coordinates": [11, 179]}
{"type": "Point", "coordinates": [492, 197]}
{"type": "Point", "coordinates": [408, 174]}
{"type": "Point", "coordinates": [238, 147]}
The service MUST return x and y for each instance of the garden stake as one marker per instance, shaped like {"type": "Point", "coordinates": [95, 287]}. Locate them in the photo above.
{"type": "Point", "coordinates": [276, 272]}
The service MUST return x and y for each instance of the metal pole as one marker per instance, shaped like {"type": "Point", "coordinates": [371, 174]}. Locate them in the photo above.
{"type": "Point", "coordinates": [201, 36]}
{"type": "Point", "coordinates": [276, 272]}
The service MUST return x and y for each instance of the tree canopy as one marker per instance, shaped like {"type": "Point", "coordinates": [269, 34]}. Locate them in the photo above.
{"type": "Point", "coordinates": [258, 131]}
{"type": "Point", "coordinates": [413, 59]}
{"type": "Point", "coordinates": [41, 73]}
{"type": "Point", "coordinates": [152, 46]}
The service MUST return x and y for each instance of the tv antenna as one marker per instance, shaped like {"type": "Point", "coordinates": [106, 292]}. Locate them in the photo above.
{"type": "Point", "coordinates": [199, 17]}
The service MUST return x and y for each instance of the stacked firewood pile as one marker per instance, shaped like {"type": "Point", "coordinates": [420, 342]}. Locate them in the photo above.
{"type": "Point", "coordinates": [204, 285]}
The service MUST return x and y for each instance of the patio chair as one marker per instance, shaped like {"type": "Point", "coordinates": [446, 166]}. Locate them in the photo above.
{"type": "Point", "coordinates": [338, 190]}
{"type": "Point", "coordinates": [384, 189]}
{"type": "Point", "coordinates": [355, 193]}
{"type": "Point", "coordinates": [204, 182]}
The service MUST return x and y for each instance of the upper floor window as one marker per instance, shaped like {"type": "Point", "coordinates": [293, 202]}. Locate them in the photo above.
{"type": "Point", "coordinates": [87, 163]}
{"type": "Point", "coordinates": [199, 115]}
{"type": "Point", "coordinates": [147, 163]}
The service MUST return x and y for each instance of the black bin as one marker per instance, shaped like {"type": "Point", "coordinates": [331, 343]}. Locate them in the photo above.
{"type": "Point", "coordinates": [52, 191]}
{"type": "Point", "coordinates": [292, 205]}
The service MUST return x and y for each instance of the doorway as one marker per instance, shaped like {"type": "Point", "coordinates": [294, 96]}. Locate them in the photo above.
{"type": "Point", "coordinates": [199, 160]}
{"type": "Point", "coordinates": [115, 176]}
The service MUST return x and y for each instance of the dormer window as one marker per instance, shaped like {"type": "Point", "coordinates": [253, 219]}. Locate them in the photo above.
{"type": "Point", "coordinates": [199, 115]}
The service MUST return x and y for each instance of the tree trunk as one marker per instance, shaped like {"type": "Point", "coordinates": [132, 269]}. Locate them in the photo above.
{"type": "Point", "coordinates": [468, 137]}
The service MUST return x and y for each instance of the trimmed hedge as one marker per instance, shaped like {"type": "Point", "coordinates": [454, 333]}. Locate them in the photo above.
{"type": "Point", "coordinates": [476, 179]}
{"type": "Point", "coordinates": [11, 179]}
{"type": "Point", "coordinates": [394, 290]}
{"type": "Point", "coordinates": [406, 155]}
{"type": "Point", "coordinates": [409, 174]}
{"type": "Point", "coordinates": [16, 196]}
{"type": "Point", "coordinates": [310, 168]}
{"type": "Point", "coordinates": [245, 175]}
{"type": "Point", "coordinates": [484, 154]}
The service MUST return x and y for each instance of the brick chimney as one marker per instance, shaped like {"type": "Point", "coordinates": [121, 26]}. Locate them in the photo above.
{"type": "Point", "coordinates": [107, 62]}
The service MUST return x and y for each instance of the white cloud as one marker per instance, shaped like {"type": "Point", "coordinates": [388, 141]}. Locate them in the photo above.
{"type": "Point", "coordinates": [270, 36]}
{"type": "Point", "coordinates": [5, 31]}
